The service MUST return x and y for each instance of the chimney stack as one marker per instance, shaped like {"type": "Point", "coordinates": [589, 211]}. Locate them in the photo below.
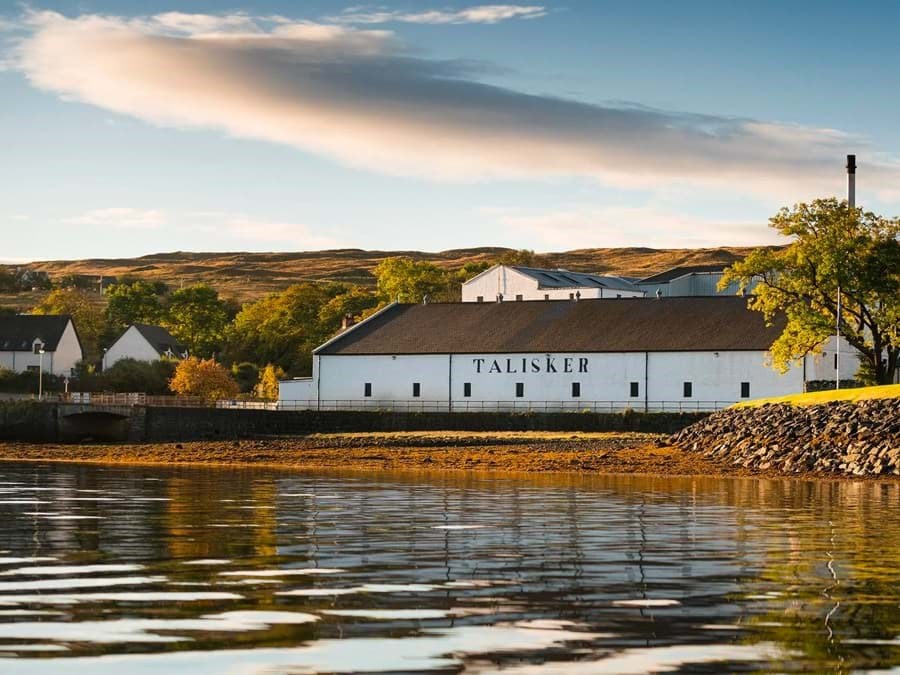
{"type": "Point", "coordinates": [851, 180]}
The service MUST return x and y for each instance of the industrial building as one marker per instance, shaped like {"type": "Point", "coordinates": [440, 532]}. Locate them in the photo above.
{"type": "Point", "coordinates": [510, 283]}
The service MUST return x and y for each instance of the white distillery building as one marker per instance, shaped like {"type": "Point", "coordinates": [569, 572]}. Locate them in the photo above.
{"type": "Point", "coordinates": [143, 342]}
{"type": "Point", "coordinates": [514, 282]}
{"type": "Point", "coordinates": [610, 354]}
{"type": "Point", "coordinates": [690, 281]}
{"type": "Point", "coordinates": [22, 338]}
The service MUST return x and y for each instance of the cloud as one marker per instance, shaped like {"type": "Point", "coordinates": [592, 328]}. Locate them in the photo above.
{"type": "Point", "coordinates": [362, 98]}
{"type": "Point", "coordinates": [121, 217]}
{"type": "Point", "coordinates": [245, 227]}
{"type": "Point", "coordinates": [613, 226]}
{"type": "Point", "coordinates": [479, 14]}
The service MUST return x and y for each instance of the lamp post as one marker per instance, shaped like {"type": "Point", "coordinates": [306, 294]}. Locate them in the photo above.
{"type": "Point", "coordinates": [41, 373]}
{"type": "Point", "coordinates": [851, 204]}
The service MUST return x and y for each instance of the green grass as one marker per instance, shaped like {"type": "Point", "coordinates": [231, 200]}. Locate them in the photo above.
{"type": "Point", "coordinates": [812, 398]}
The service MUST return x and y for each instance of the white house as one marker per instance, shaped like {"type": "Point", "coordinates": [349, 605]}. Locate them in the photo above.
{"type": "Point", "coordinates": [144, 343]}
{"type": "Point", "coordinates": [514, 282]}
{"type": "Point", "coordinates": [25, 336]}
{"type": "Point", "coordinates": [672, 353]}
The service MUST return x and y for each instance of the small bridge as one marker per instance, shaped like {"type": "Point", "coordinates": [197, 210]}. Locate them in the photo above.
{"type": "Point", "coordinates": [89, 421]}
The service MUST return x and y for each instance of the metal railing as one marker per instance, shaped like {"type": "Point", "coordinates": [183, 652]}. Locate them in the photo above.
{"type": "Point", "coordinates": [419, 405]}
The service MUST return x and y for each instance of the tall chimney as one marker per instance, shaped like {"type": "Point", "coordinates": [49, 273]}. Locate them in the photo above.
{"type": "Point", "coordinates": [851, 180]}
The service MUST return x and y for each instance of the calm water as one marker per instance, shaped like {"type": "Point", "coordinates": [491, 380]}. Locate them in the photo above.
{"type": "Point", "coordinates": [143, 570]}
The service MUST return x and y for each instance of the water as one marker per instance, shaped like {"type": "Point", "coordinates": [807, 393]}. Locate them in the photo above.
{"type": "Point", "coordinates": [108, 570]}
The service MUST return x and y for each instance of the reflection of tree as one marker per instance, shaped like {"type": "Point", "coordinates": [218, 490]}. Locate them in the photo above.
{"type": "Point", "coordinates": [835, 556]}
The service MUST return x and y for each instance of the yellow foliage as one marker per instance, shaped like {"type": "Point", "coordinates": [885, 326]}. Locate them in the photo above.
{"type": "Point", "coordinates": [204, 378]}
{"type": "Point", "coordinates": [814, 397]}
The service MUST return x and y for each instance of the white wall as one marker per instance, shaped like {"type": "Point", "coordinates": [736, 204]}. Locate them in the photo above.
{"type": "Point", "coordinates": [546, 378]}
{"type": "Point", "coordinates": [821, 366]}
{"type": "Point", "coordinates": [131, 345]}
{"type": "Point", "coordinates": [299, 392]}
{"type": "Point", "coordinates": [510, 283]}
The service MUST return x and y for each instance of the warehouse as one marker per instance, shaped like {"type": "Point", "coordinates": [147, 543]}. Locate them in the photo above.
{"type": "Point", "coordinates": [510, 283]}
{"type": "Point", "coordinates": [671, 353]}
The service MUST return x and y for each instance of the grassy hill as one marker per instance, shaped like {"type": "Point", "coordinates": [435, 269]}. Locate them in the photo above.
{"type": "Point", "coordinates": [247, 276]}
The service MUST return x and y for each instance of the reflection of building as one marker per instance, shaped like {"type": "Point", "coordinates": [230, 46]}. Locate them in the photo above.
{"type": "Point", "coordinates": [144, 343]}
{"type": "Point", "coordinates": [633, 351]}
{"type": "Point", "coordinates": [514, 282]}
{"type": "Point", "coordinates": [23, 337]}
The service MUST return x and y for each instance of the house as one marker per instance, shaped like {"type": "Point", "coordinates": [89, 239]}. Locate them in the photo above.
{"type": "Point", "coordinates": [24, 336]}
{"type": "Point", "coordinates": [144, 343]}
{"type": "Point", "coordinates": [646, 354]}
{"type": "Point", "coordinates": [690, 281]}
{"type": "Point", "coordinates": [514, 282]}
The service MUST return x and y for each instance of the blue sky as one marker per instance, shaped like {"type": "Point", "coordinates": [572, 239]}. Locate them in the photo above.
{"type": "Point", "coordinates": [136, 127]}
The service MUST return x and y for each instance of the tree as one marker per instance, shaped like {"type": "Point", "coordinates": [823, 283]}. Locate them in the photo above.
{"type": "Point", "coordinates": [85, 311]}
{"type": "Point", "coordinates": [129, 375]}
{"type": "Point", "coordinates": [832, 246]}
{"type": "Point", "coordinates": [282, 328]}
{"type": "Point", "coordinates": [204, 378]}
{"type": "Point", "coordinates": [409, 280]}
{"type": "Point", "coordinates": [267, 388]}
{"type": "Point", "coordinates": [354, 303]}
{"type": "Point", "coordinates": [523, 257]}
{"type": "Point", "coordinates": [246, 374]}
{"type": "Point", "coordinates": [136, 302]}
{"type": "Point", "coordinates": [198, 318]}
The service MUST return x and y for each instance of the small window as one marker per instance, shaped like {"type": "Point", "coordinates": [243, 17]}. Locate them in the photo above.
{"type": "Point", "coordinates": [635, 389]}
{"type": "Point", "coordinates": [480, 298]}
{"type": "Point", "coordinates": [688, 389]}
{"type": "Point", "coordinates": [546, 296]}
{"type": "Point", "coordinates": [835, 360]}
{"type": "Point", "coordinates": [367, 389]}
{"type": "Point", "coordinates": [571, 296]}
{"type": "Point", "coordinates": [417, 389]}
{"type": "Point", "coordinates": [576, 389]}
{"type": "Point", "coordinates": [519, 298]}
{"type": "Point", "coordinates": [467, 389]}
{"type": "Point", "coordinates": [745, 390]}
{"type": "Point", "coordinates": [520, 389]}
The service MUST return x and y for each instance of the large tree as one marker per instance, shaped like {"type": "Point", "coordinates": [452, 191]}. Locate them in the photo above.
{"type": "Point", "coordinates": [407, 280]}
{"type": "Point", "coordinates": [136, 302]}
{"type": "Point", "coordinates": [198, 317]}
{"type": "Point", "coordinates": [832, 246]}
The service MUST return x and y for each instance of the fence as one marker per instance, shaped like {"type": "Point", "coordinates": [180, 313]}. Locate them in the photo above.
{"type": "Point", "coordinates": [423, 406]}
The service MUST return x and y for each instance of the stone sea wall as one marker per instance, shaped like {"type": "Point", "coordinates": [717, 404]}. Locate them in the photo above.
{"type": "Point", "coordinates": [859, 439]}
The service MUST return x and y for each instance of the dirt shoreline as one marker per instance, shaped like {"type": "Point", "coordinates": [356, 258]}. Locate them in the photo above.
{"type": "Point", "coordinates": [612, 453]}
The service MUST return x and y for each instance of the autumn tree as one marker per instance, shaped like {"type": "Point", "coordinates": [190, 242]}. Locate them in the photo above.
{"type": "Point", "coordinates": [356, 303]}
{"type": "Point", "coordinates": [267, 387]}
{"type": "Point", "coordinates": [204, 378]}
{"type": "Point", "coordinates": [136, 302]}
{"type": "Point", "coordinates": [832, 246]}
{"type": "Point", "coordinates": [198, 317]}
{"type": "Point", "coordinates": [409, 280]}
{"type": "Point", "coordinates": [84, 308]}
{"type": "Point", "coordinates": [523, 257]}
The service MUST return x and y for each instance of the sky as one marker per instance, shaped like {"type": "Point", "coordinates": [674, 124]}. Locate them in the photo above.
{"type": "Point", "coordinates": [129, 127]}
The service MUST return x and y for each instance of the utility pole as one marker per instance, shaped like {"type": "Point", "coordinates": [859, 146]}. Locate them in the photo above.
{"type": "Point", "coordinates": [851, 203]}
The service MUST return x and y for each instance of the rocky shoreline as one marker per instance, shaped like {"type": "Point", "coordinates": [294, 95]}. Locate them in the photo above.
{"type": "Point", "coordinates": [840, 438]}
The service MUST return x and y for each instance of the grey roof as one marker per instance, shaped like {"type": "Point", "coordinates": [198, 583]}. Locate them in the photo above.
{"type": "Point", "coordinates": [18, 333]}
{"type": "Point", "coordinates": [160, 339]}
{"type": "Point", "coordinates": [716, 323]}
{"type": "Point", "coordinates": [566, 279]}
{"type": "Point", "coordinates": [678, 272]}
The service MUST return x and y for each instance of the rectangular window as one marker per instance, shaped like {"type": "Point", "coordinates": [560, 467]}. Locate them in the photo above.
{"type": "Point", "coordinates": [571, 296]}
{"type": "Point", "coordinates": [688, 389]}
{"type": "Point", "coordinates": [367, 389]}
{"type": "Point", "coordinates": [480, 298]}
{"type": "Point", "coordinates": [467, 389]}
{"type": "Point", "coordinates": [417, 389]}
{"type": "Point", "coordinates": [835, 360]}
{"type": "Point", "coordinates": [635, 389]}
{"type": "Point", "coordinates": [576, 389]}
{"type": "Point", "coordinates": [546, 296]}
{"type": "Point", "coordinates": [519, 298]}
{"type": "Point", "coordinates": [745, 390]}
{"type": "Point", "coordinates": [520, 389]}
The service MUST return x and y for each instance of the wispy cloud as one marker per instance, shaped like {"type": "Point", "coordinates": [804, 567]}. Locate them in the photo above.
{"type": "Point", "coordinates": [611, 226]}
{"type": "Point", "coordinates": [362, 98]}
{"type": "Point", "coordinates": [257, 230]}
{"type": "Point", "coordinates": [478, 14]}
{"type": "Point", "coordinates": [121, 217]}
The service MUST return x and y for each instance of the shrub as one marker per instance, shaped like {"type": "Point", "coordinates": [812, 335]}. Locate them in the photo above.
{"type": "Point", "coordinates": [203, 377]}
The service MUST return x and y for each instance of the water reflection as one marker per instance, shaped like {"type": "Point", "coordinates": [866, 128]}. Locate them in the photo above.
{"type": "Point", "coordinates": [218, 571]}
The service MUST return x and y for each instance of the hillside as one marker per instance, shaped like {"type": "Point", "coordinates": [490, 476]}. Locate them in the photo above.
{"type": "Point", "coordinates": [246, 276]}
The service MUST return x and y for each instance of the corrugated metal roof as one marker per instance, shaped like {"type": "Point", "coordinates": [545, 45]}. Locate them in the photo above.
{"type": "Point", "coordinates": [676, 272]}
{"type": "Point", "coordinates": [566, 279]}
{"type": "Point", "coordinates": [18, 333]}
{"type": "Point", "coordinates": [608, 325]}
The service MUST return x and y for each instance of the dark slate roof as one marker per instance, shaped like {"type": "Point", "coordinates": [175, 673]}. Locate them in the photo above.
{"type": "Point", "coordinates": [610, 325]}
{"type": "Point", "coordinates": [160, 339]}
{"type": "Point", "coordinates": [17, 333]}
{"type": "Point", "coordinates": [677, 272]}
{"type": "Point", "coordinates": [566, 279]}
